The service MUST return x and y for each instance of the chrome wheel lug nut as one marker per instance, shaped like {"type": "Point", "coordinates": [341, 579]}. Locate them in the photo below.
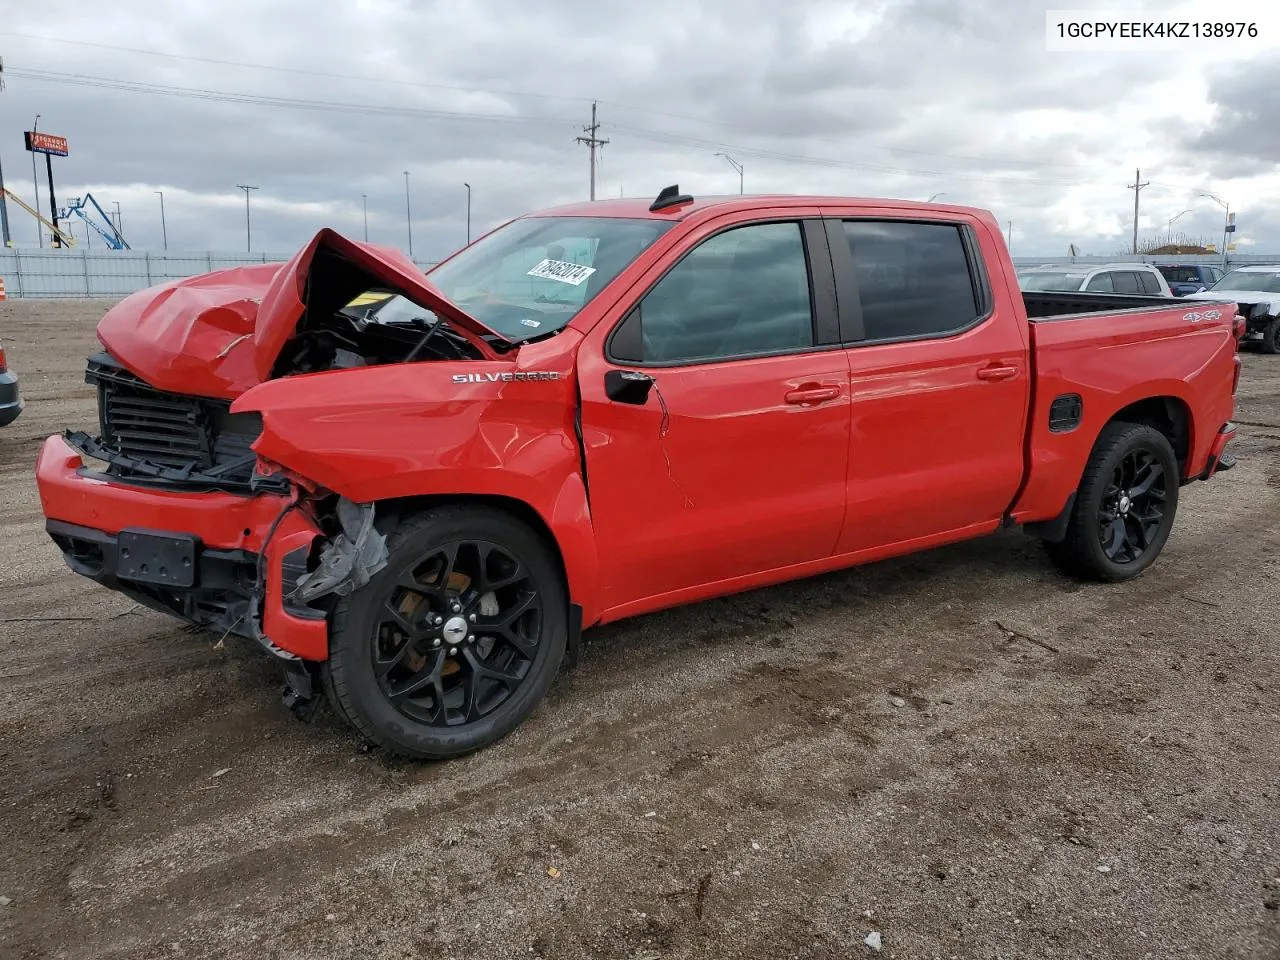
{"type": "Point", "coordinates": [453, 651]}
{"type": "Point", "coordinates": [472, 618]}
{"type": "Point", "coordinates": [439, 619]}
{"type": "Point", "coordinates": [456, 606]}
{"type": "Point", "coordinates": [435, 642]}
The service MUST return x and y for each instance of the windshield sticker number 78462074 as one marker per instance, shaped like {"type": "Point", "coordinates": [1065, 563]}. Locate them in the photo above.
{"type": "Point", "coordinates": [571, 273]}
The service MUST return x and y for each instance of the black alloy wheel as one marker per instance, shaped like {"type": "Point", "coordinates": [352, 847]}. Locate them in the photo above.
{"type": "Point", "coordinates": [456, 640]}
{"type": "Point", "coordinates": [1124, 508]}
{"type": "Point", "coordinates": [458, 634]}
{"type": "Point", "coordinates": [1132, 509]}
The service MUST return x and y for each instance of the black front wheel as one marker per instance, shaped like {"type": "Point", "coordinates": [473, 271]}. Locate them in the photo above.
{"type": "Point", "coordinates": [456, 640]}
{"type": "Point", "coordinates": [1124, 507]}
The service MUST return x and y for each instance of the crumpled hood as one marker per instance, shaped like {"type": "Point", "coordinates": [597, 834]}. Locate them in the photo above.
{"type": "Point", "coordinates": [218, 334]}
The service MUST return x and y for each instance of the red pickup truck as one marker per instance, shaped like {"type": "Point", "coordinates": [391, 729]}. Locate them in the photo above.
{"type": "Point", "coordinates": [417, 502]}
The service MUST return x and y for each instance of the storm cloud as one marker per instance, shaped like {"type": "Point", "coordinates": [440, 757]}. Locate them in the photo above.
{"type": "Point", "coordinates": [900, 99]}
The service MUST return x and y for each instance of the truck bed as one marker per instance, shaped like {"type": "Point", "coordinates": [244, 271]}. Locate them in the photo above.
{"type": "Point", "coordinates": [1056, 305]}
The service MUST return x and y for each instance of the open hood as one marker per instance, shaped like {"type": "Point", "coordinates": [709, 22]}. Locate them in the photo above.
{"type": "Point", "coordinates": [219, 334]}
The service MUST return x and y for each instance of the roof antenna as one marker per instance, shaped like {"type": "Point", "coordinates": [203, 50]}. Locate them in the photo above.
{"type": "Point", "coordinates": [670, 197]}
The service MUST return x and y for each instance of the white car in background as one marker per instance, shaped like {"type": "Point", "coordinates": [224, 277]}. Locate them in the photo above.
{"type": "Point", "coordinates": [1256, 290]}
{"type": "Point", "coordinates": [1131, 278]}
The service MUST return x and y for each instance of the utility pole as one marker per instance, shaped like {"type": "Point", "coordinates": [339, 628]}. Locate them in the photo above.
{"type": "Point", "coordinates": [408, 213]}
{"type": "Point", "coordinates": [364, 200]}
{"type": "Point", "coordinates": [737, 166]}
{"type": "Point", "coordinates": [164, 230]}
{"type": "Point", "coordinates": [1136, 187]}
{"type": "Point", "coordinates": [248, 234]}
{"type": "Point", "coordinates": [468, 186]}
{"type": "Point", "coordinates": [592, 141]}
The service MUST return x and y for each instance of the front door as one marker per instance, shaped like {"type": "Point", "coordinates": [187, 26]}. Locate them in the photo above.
{"type": "Point", "coordinates": [733, 460]}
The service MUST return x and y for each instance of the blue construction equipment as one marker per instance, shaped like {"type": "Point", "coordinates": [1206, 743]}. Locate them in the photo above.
{"type": "Point", "coordinates": [111, 234]}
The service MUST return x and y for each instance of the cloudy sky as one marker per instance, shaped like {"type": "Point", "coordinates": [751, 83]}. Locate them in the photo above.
{"type": "Point", "coordinates": [906, 98]}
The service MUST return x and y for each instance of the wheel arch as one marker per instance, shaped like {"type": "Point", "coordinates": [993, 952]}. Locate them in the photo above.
{"type": "Point", "coordinates": [572, 547]}
{"type": "Point", "coordinates": [1170, 415]}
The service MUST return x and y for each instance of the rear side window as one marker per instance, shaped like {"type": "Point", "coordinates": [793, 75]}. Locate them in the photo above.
{"type": "Point", "coordinates": [1149, 283]}
{"type": "Point", "coordinates": [1101, 283]}
{"type": "Point", "coordinates": [1126, 281]}
{"type": "Point", "coordinates": [913, 278]}
{"type": "Point", "coordinates": [1181, 274]}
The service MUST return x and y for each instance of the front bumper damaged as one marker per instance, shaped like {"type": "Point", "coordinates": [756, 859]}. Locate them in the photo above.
{"type": "Point", "coordinates": [223, 561]}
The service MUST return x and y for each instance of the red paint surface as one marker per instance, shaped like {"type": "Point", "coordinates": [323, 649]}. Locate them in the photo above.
{"type": "Point", "coordinates": [917, 444]}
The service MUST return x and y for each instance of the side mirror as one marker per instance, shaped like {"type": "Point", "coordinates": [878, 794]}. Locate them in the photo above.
{"type": "Point", "coordinates": [627, 386]}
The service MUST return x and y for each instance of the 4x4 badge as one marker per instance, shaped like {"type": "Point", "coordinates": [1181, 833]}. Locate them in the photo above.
{"type": "Point", "coordinates": [1208, 315]}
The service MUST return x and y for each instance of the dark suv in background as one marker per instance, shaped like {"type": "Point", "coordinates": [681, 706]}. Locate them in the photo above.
{"type": "Point", "coordinates": [1188, 278]}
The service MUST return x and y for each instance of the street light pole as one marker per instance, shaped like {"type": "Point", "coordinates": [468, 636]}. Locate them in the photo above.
{"type": "Point", "coordinates": [408, 213]}
{"type": "Point", "coordinates": [119, 221]}
{"type": "Point", "coordinates": [364, 199]}
{"type": "Point", "coordinates": [1226, 221]}
{"type": "Point", "coordinates": [1174, 219]}
{"type": "Point", "coordinates": [248, 234]}
{"type": "Point", "coordinates": [35, 181]}
{"type": "Point", "coordinates": [736, 165]}
{"type": "Point", "coordinates": [164, 230]}
{"type": "Point", "coordinates": [468, 186]}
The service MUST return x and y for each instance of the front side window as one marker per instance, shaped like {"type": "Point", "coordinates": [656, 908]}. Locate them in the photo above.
{"type": "Point", "coordinates": [532, 276]}
{"type": "Point", "coordinates": [913, 278]}
{"type": "Point", "coordinates": [740, 293]}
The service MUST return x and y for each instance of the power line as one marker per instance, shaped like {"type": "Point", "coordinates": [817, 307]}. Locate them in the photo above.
{"type": "Point", "coordinates": [364, 78]}
{"type": "Point", "coordinates": [658, 136]}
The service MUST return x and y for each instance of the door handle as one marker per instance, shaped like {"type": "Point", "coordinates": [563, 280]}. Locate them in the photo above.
{"type": "Point", "coordinates": [996, 372]}
{"type": "Point", "coordinates": [813, 394]}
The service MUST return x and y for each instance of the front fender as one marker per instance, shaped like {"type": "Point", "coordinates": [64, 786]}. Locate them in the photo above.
{"type": "Point", "coordinates": [410, 430]}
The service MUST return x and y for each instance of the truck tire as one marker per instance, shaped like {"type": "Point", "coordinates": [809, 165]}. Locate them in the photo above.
{"type": "Point", "coordinates": [455, 641]}
{"type": "Point", "coordinates": [1271, 336]}
{"type": "Point", "coordinates": [1125, 506]}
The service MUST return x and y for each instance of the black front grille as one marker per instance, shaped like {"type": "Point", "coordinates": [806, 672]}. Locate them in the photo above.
{"type": "Point", "coordinates": [145, 428]}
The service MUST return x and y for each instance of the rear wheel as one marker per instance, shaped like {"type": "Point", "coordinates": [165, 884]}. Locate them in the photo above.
{"type": "Point", "coordinates": [1124, 507]}
{"type": "Point", "coordinates": [456, 640]}
{"type": "Point", "coordinates": [1271, 336]}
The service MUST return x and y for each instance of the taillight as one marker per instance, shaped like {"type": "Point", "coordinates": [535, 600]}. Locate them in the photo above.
{"type": "Point", "coordinates": [4, 366]}
{"type": "Point", "coordinates": [1238, 327]}
{"type": "Point", "coordinates": [1235, 378]}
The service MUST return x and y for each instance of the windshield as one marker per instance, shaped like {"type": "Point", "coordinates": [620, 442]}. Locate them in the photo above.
{"type": "Point", "coordinates": [1050, 280]}
{"type": "Point", "coordinates": [530, 277]}
{"type": "Point", "coordinates": [1245, 280]}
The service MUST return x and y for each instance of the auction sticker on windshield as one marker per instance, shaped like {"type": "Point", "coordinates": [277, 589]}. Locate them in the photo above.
{"type": "Point", "coordinates": [570, 273]}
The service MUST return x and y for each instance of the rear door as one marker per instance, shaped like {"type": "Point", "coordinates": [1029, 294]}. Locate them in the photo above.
{"type": "Point", "coordinates": [939, 379]}
{"type": "Point", "coordinates": [732, 462]}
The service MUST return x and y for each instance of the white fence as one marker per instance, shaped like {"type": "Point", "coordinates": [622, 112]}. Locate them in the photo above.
{"type": "Point", "coordinates": [112, 273]}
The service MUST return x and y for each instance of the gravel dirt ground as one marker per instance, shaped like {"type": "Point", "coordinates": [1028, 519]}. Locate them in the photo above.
{"type": "Point", "coordinates": [961, 751]}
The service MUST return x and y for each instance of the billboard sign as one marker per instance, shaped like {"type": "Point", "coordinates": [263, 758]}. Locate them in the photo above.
{"type": "Point", "coordinates": [45, 143]}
